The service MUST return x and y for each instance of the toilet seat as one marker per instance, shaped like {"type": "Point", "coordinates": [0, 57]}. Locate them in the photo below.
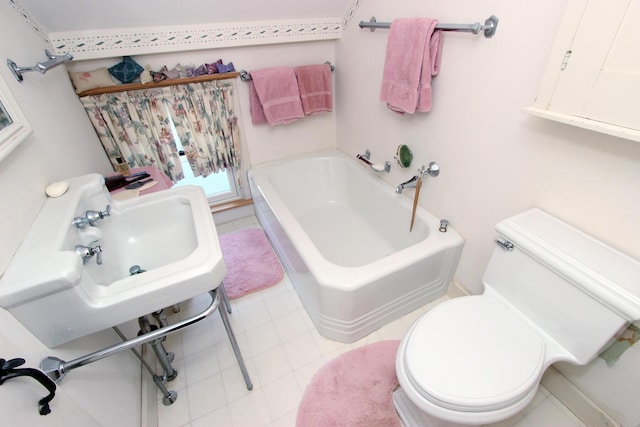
{"type": "Point", "coordinates": [473, 354]}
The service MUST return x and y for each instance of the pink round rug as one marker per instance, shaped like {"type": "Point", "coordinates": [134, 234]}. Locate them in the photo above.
{"type": "Point", "coordinates": [353, 390]}
{"type": "Point", "coordinates": [251, 263]}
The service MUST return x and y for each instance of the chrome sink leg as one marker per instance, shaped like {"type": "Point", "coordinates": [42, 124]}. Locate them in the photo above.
{"type": "Point", "coordinates": [234, 345]}
{"type": "Point", "coordinates": [168, 396]}
{"type": "Point", "coordinates": [225, 299]}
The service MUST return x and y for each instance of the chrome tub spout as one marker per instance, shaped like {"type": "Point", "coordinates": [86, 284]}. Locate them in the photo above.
{"type": "Point", "coordinates": [411, 183]}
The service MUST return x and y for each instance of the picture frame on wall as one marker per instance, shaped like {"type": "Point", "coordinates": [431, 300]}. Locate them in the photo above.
{"type": "Point", "coordinates": [14, 127]}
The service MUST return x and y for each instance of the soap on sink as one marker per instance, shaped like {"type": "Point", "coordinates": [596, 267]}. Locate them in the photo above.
{"type": "Point", "coordinates": [57, 189]}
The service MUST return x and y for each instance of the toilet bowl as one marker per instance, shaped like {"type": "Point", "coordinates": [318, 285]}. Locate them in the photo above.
{"type": "Point", "coordinates": [552, 293]}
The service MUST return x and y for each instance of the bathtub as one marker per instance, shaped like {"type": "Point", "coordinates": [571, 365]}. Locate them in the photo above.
{"type": "Point", "coordinates": [342, 235]}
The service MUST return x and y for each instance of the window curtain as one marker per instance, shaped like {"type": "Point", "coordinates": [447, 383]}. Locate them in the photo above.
{"type": "Point", "coordinates": [139, 127]}
{"type": "Point", "coordinates": [206, 124]}
{"type": "Point", "coordinates": [135, 126]}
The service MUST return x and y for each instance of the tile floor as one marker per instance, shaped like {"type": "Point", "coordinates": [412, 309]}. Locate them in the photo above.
{"type": "Point", "coordinates": [282, 350]}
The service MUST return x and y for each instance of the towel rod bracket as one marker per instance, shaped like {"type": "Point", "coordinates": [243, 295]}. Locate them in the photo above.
{"type": "Point", "coordinates": [373, 21]}
{"type": "Point", "coordinates": [490, 26]}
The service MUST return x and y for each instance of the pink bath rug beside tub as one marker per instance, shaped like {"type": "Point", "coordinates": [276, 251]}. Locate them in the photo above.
{"type": "Point", "coordinates": [353, 390]}
{"type": "Point", "coordinates": [251, 263]}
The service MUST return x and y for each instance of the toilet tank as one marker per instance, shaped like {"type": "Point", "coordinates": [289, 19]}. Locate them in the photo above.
{"type": "Point", "coordinates": [576, 289]}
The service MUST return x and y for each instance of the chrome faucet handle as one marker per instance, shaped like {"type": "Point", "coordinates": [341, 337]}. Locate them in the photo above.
{"type": "Point", "coordinates": [86, 252]}
{"type": "Point", "coordinates": [432, 170]}
{"type": "Point", "coordinates": [81, 222]}
{"type": "Point", "coordinates": [97, 251]}
{"type": "Point", "coordinates": [95, 217]}
{"type": "Point", "coordinates": [91, 218]}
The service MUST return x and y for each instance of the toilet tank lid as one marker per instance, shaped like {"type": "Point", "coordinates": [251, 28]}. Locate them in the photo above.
{"type": "Point", "coordinates": [605, 273]}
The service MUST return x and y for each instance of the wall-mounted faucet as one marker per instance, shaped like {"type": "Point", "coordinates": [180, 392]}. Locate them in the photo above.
{"type": "Point", "coordinates": [86, 252]}
{"type": "Point", "coordinates": [91, 218]}
{"type": "Point", "coordinates": [411, 183]}
{"type": "Point", "coordinates": [432, 170]}
{"type": "Point", "coordinates": [41, 67]}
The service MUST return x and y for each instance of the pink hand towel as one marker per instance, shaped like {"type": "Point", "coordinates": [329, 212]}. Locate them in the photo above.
{"type": "Point", "coordinates": [314, 82]}
{"type": "Point", "coordinates": [277, 90]}
{"type": "Point", "coordinates": [412, 58]}
{"type": "Point", "coordinates": [257, 113]}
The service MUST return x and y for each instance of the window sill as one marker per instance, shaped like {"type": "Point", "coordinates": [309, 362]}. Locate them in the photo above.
{"type": "Point", "coordinates": [231, 205]}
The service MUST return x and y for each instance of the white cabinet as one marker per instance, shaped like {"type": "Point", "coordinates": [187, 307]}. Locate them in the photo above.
{"type": "Point", "coordinates": [592, 79]}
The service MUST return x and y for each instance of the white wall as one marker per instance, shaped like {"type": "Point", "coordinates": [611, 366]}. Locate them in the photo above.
{"type": "Point", "coordinates": [63, 144]}
{"type": "Point", "coordinates": [496, 161]}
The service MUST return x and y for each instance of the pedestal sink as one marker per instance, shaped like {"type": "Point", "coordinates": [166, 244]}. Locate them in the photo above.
{"type": "Point", "coordinates": [169, 234]}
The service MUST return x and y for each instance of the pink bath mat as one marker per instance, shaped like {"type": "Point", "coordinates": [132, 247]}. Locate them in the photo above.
{"type": "Point", "coordinates": [251, 263]}
{"type": "Point", "coordinates": [353, 390]}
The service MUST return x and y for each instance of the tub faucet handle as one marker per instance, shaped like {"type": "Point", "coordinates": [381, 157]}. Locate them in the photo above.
{"type": "Point", "coordinates": [432, 170]}
{"type": "Point", "coordinates": [443, 225]}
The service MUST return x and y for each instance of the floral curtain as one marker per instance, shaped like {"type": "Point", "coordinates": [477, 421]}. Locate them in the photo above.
{"type": "Point", "coordinates": [207, 126]}
{"type": "Point", "coordinates": [135, 126]}
{"type": "Point", "coordinates": [139, 126]}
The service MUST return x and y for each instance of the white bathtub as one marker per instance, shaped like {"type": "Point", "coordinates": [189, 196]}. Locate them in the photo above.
{"type": "Point", "coordinates": [343, 238]}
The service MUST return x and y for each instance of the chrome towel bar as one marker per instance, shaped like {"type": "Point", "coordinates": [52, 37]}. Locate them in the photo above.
{"type": "Point", "coordinates": [245, 76]}
{"type": "Point", "coordinates": [489, 27]}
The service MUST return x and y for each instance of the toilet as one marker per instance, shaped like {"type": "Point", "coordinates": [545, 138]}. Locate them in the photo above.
{"type": "Point", "coordinates": [551, 293]}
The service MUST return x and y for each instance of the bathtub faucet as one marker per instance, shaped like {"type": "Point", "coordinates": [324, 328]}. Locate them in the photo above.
{"type": "Point", "coordinates": [432, 170]}
{"type": "Point", "coordinates": [411, 183]}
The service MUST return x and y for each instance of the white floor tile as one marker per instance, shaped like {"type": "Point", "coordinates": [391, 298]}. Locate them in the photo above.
{"type": "Point", "coordinates": [291, 325]}
{"type": "Point", "coordinates": [201, 365]}
{"type": "Point", "coordinates": [250, 410]}
{"type": "Point", "coordinates": [282, 396]}
{"type": "Point", "coordinates": [272, 364]}
{"type": "Point", "coordinates": [301, 350]}
{"type": "Point", "coordinates": [206, 396]}
{"type": "Point", "coordinates": [262, 338]}
{"type": "Point", "coordinates": [254, 316]}
{"type": "Point", "coordinates": [219, 417]}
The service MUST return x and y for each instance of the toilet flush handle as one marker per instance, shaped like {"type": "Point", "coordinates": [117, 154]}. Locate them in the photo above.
{"type": "Point", "coordinates": [505, 244]}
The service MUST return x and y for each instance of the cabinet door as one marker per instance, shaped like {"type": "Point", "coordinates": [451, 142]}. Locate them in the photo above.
{"type": "Point", "coordinates": [592, 79]}
{"type": "Point", "coordinates": [615, 97]}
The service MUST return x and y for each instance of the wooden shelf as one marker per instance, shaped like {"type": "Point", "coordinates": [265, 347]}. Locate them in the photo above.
{"type": "Point", "coordinates": [162, 83]}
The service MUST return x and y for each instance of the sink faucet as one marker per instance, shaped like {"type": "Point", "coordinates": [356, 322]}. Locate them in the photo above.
{"type": "Point", "coordinates": [411, 183]}
{"type": "Point", "coordinates": [91, 218]}
{"type": "Point", "coordinates": [86, 252]}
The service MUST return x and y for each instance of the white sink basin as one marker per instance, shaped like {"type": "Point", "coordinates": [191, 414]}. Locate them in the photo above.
{"type": "Point", "coordinates": [170, 234]}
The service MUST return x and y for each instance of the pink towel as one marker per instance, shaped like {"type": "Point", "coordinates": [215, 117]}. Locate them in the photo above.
{"type": "Point", "coordinates": [412, 58]}
{"type": "Point", "coordinates": [314, 82]}
{"type": "Point", "coordinates": [277, 91]}
{"type": "Point", "coordinates": [257, 113]}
